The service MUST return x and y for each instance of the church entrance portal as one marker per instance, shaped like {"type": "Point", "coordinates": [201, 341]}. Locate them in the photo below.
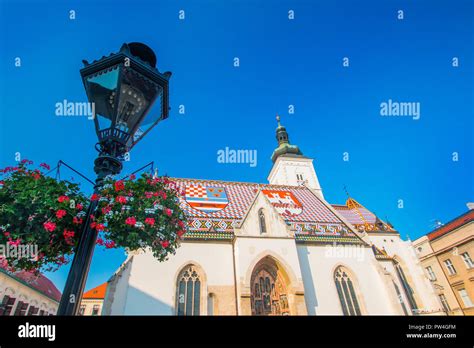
{"type": "Point", "coordinates": [268, 294]}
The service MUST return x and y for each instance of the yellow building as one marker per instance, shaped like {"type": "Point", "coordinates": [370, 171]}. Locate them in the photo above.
{"type": "Point", "coordinates": [447, 256]}
{"type": "Point", "coordinates": [93, 300]}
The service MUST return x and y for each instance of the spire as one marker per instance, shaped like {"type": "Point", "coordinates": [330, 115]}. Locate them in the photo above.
{"type": "Point", "coordinates": [284, 146]}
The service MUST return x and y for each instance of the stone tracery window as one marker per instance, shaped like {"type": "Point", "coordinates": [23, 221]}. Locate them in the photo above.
{"type": "Point", "coordinates": [346, 292]}
{"type": "Point", "coordinates": [189, 292]}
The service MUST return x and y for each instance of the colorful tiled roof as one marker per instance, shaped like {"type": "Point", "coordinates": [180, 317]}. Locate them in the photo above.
{"type": "Point", "coordinates": [96, 293]}
{"type": "Point", "coordinates": [297, 205]}
{"type": "Point", "coordinates": [452, 225]}
{"type": "Point", "coordinates": [361, 218]}
{"type": "Point", "coordinates": [39, 283]}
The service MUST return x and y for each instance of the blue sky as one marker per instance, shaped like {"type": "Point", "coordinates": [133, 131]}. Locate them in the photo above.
{"type": "Point", "coordinates": [282, 62]}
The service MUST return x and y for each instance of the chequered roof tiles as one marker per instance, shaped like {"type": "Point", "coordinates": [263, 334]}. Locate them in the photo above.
{"type": "Point", "coordinates": [314, 219]}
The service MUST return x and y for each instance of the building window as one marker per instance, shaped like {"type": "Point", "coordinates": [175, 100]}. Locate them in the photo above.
{"type": "Point", "coordinates": [95, 309]}
{"type": "Point", "coordinates": [465, 298]}
{"type": "Point", "coordinates": [346, 292]}
{"type": "Point", "coordinates": [189, 292]}
{"type": "Point", "coordinates": [33, 310]}
{"type": "Point", "coordinates": [82, 310]}
{"type": "Point", "coordinates": [41, 312]}
{"type": "Point", "coordinates": [467, 260]}
{"type": "Point", "coordinates": [444, 303]}
{"type": "Point", "coordinates": [21, 308]}
{"type": "Point", "coordinates": [431, 274]}
{"type": "Point", "coordinates": [261, 219]}
{"type": "Point", "coordinates": [400, 298]}
{"type": "Point", "coordinates": [7, 305]}
{"type": "Point", "coordinates": [450, 267]}
{"type": "Point", "coordinates": [407, 288]}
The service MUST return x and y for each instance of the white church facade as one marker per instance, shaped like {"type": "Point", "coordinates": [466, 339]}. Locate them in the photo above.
{"type": "Point", "coordinates": [275, 249]}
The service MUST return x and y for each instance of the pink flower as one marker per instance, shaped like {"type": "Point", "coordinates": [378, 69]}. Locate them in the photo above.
{"type": "Point", "coordinates": [121, 199]}
{"type": "Point", "coordinates": [168, 211]}
{"type": "Point", "coordinates": [148, 194]}
{"type": "Point", "coordinates": [165, 243]}
{"type": "Point", "coordinates": [94, 197]}
{"type": "Point", "coordinates": [63, 199]}
{"type": "Point", "coordinates": [119, 185]}
{"type": "Point", "coordinates": [150, 221]}
{"type": "Point", "coordinates": [6, 234]}
{"type": "Point", "coordinates": [49, 226]}
{"type": "Point", "coordinates": [106, 209]}
{"type": "Point", "coordinates": [45, 166]}
{"type": "Point", "coordinates": [60, 213]}
{"type": "Point", "coordinates": [131, 221]}
{"type": "Point", "coordinates": [15, 243]}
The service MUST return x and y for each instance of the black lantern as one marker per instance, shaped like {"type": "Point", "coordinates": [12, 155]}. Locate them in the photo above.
{"type": "Point", "coordinates": [122, 88]}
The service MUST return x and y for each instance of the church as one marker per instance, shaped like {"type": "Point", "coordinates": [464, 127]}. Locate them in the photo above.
{"type": "Point", "coordinates": [276, 248]}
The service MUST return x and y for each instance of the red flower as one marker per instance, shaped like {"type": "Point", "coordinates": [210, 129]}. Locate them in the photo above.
{"type": "Point", "coordinates": [110, 244]}
{"type": "Point", "coordinates": [119, 186]}
{"type": "Point", "coordinates": [165, 243]}
{"type": "Point", "coordinates": [68, 234]}
{"type": "Point", "coordinates": [100, 227]}
{"type": "Point", "coordinates": [49, 226]}
{"type": "Point", "coordinates": [76, 220]}
{"type": "Point", "coordinates": [6, 234]}
{"type": "Point", "coordinates": [100, 241]}
{"type": "Point", "coordinates": [94, 197]}
{"type": "Point", "coordinates": [132, 177]}
{"type": "Point", "coordinates": [121, 199]}
{"type": "Point", "coordinates": [181, 224]}
{"type": "Point", "coordinates": [168, 211]}
{"type": "Point", "coordinates": [131, 221]}
{"type": "Point", "coordinates": [79, 206]}
{"type": "Point", "coordinates": [148, 194]}
{"type": "Point", "coordinates": [180, 233]}
{"type": "Point", "coordinates": [63, 199]}
{"type": "Point", "coordinates": [150, 221]}
{"type": "Point", "coordinates": [106, 209]}
{"type": "Point", "coordinates": [93, 224]}
{"type": "Point", "coordinates": [60, 214]}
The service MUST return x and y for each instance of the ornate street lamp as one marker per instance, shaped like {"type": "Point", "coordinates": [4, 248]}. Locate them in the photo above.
{"type": "Point", "coordinates": [122, 89]}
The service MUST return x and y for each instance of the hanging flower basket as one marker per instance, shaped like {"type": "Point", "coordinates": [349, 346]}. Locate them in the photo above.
{"type": "Point", "coordinates": [40, 218]}
{"type": "Point", "coordinates": [140, 213]}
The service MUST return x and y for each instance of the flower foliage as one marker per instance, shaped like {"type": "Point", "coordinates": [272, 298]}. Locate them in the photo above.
{"type": "Point", "coordinates": [39, 213]}
{"type": "Point", "coordinates": [140, 213]}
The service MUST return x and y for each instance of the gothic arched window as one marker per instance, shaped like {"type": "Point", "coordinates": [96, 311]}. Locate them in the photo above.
{"type": "Point", "coordinates": [189, 292]}
{"type": "Point", "coordinates": [261, 219]}
{"type": "Point", "coordinates": [346, 292]}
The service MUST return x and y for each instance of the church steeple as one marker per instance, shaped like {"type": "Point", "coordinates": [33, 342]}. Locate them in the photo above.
{"type": "Point", "coordinates": [284, 146]}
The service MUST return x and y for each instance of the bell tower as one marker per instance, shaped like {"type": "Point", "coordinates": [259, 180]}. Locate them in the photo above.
{"type": "Point", "coordinates": [290, 166]}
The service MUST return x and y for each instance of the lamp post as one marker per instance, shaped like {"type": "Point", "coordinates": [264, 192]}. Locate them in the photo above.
{"type": "Point", "coordinates": [122, 89]}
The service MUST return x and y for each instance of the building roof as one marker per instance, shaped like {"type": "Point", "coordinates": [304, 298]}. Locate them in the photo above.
{"type": "Point", "coordinates": [362, 218]}
{"type": "Point", "coordinates": [96, 293]}
{"type": "Point", "coordinates": [214, 208]}
{"type": "Point", "coordinates": [37, 282]}
{"type": "Point", "coordinates": [452, 225]}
